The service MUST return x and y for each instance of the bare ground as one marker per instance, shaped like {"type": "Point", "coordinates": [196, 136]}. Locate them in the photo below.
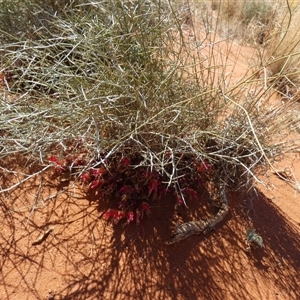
{"type": "Point", "coordinates": [84, 257]}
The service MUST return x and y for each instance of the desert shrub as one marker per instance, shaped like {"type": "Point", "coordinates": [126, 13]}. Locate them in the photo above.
{"type": "Point", "coordinates": [26, 19]}
{"type": "Point", "coordinates": [258, 10]}
{"type": "Point", "coordinates": [117, 97]}
{"type": "Point", "coordinates": [245, 11]}
{"type": "Point", "coordinates": [247, 21]}
{"type": "Point", "coordinates": [281, 57]}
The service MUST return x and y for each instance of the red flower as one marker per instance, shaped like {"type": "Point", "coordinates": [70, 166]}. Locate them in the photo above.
{"type": "Point", "coordinates": [152, 187]}
{"type": "Point", "coordinates": [169, 153]}
{"type": "Point", "coordinates": [125, 189]}
{"type": "Point", "coordinates": [130, 217]}
{"type": "Point", "coordinates": [179, 201]}
{"type": "Point", "coordinates": [79, 162]}
{"type": "Point", "coordinates": [99, 171]}
{"type": "Point", "coordinates": [145, 207]}
{"type": "Point", "coordinates": [96, 183]}
{"type": "Point", "coordinates": [60, 165]}
{"type": "Point", "coordinates": [192, 193]}
{"type": "Point", "coordinates": [125, 161]}
{"type": "Point", "coordinates": [85, 177]}
{"type": "Point", "coordinates": [115, 214]}
{"type": "Point", "coordinates": [54, 159]}
{"type": "Point", "coordinates": [204, 166]}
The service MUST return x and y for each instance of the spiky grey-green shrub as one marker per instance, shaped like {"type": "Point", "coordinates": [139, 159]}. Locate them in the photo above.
{"type": "Point", "coordinates": [121, 77]}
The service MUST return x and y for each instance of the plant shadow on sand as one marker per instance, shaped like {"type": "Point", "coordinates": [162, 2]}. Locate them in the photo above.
{"type": "Point", "coordinates": [86, 258]}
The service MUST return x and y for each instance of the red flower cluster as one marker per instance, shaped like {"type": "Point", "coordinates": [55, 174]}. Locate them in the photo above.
{"type": "Point", "coordinates": [133, 187]}
{"type": "Point", "coordinates": [59, 164]}
{"type": "Point", "coordinates": [116, 215]}
{"type": "Point", "coordinates": [68, 162]}
{"type": "Point", "coordinates": [94, 177]}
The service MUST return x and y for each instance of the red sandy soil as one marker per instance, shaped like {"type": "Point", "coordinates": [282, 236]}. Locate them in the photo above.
{"type": "Point", "coordinates": [84, 257]}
